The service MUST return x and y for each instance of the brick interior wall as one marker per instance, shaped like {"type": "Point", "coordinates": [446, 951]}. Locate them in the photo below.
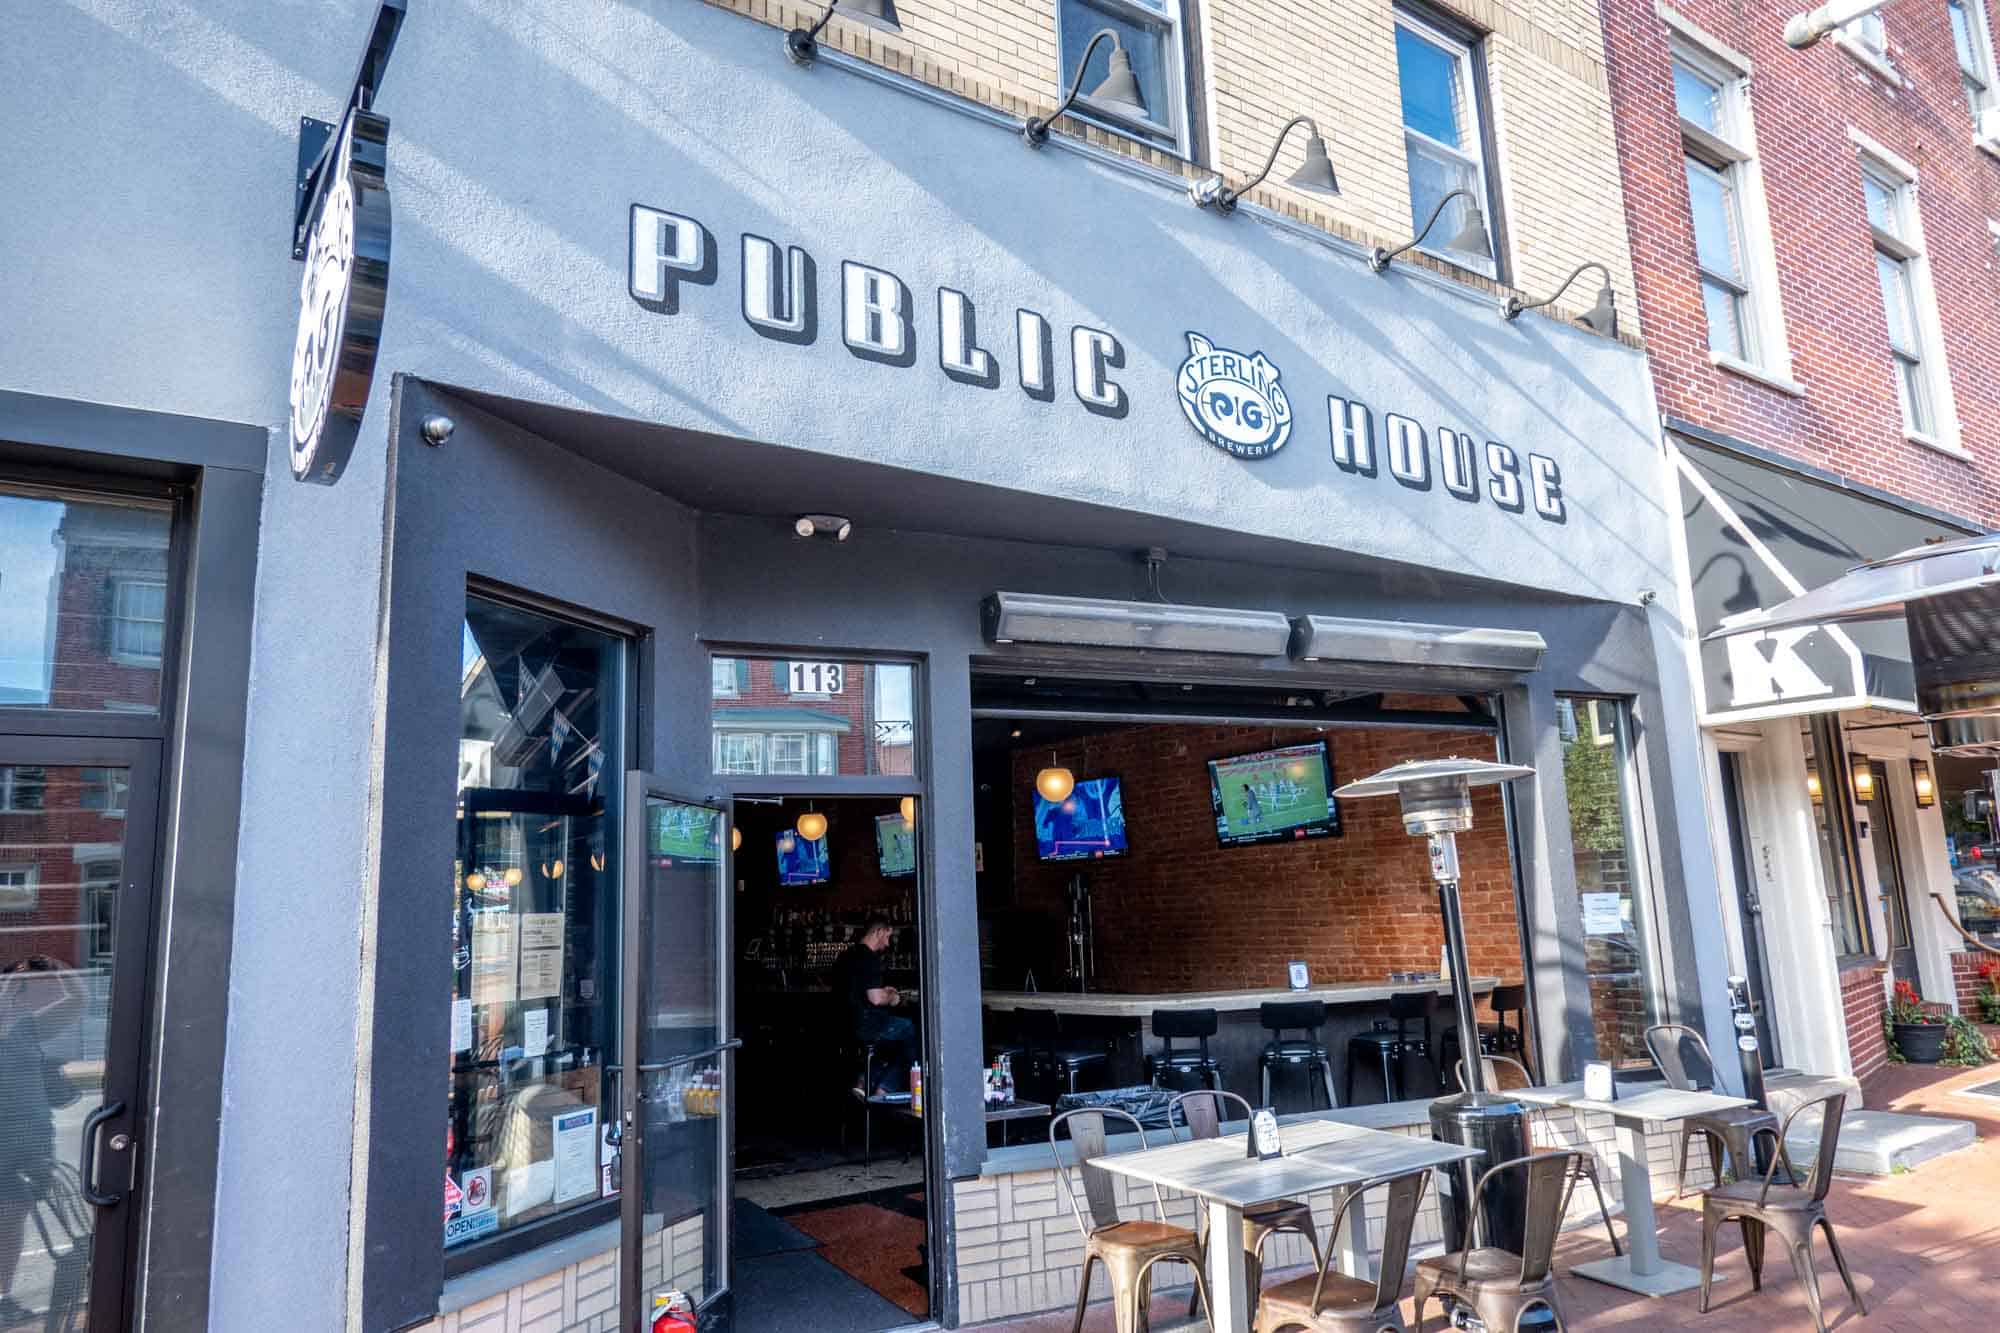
{"type": "Point", "coordinates": [1848, 420]}
{"type": "Point", "coordinates": [1181, 913]}
{"type": "Point", "coordinates": [1863, 1007]}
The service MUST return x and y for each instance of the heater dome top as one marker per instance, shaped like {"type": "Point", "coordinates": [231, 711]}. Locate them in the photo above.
{"type": "Point", "coordinates": [1395, 779]}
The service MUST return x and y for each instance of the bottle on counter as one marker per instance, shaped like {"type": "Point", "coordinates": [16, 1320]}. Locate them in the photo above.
{"type": "Point", "coordinates": [916, 1089]}
{"type": "Point", "coordinates": [1007, 1079]}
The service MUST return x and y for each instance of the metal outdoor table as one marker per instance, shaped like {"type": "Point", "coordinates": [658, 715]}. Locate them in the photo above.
{"type": "Point", "coordinates": [1318, 1155]}
{"type": "Point", "coordinates": [1641, 1269]}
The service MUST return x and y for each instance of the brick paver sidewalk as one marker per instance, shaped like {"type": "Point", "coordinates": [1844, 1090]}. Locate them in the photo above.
{"type": "Point", "coordinates": [1924, 1245]}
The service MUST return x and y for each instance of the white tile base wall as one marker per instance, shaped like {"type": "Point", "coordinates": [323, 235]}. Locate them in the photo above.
{"type": "Point", "coordinates": [582, 1298]}
{"type": "Point", "coordinates": [1020, 1252]}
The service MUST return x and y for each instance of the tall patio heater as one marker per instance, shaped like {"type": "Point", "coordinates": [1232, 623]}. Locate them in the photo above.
{"type": "Point", "coordinates": [1437, 805]}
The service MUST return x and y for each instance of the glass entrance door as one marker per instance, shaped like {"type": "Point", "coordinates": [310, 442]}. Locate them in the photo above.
{"type": "Point", "coordinates": [676, 1031]}
{"type": "Point", "coordinates": [1750, 908]}
{"type": "Point", "coordinates": [1889, 881]}
{"type": "Point", "coordinates": [76, 854]}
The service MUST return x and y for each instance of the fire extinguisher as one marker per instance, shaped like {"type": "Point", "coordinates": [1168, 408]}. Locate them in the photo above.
{"type": "Point", "coordinates": [673, 1314]}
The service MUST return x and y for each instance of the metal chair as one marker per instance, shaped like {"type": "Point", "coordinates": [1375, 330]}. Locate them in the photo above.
{"type": "Point", "coordinates": [1538, 1115]}
{"type": "Point", "coordinates": [1332, 1301]}
{"type": "Point", "coordinates": [1684, 1061]}
{"type": "Point", "coordinates": [1202, 1112]}
{"type": "Point", "coordinates": [1498, 1284]}
{"type": "Point", "coordinates": [1128, 1250]}
{"type": "Point", "coordinates": [1305, 1051]}
{"type": "Point", "coordinates": [1196, 1024]}
{"type": "Point", "coordinates": [1389, 1045]}
{"type": "Point", "coordinates": [1049, 1056]}
{"type": "Point", "coordinates": [1793, 1211]}
{"type": "Point", "coordinates": [1495, 1038]}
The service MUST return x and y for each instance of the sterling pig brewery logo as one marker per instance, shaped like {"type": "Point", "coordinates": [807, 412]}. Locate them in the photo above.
{"type": "Point", "coordinates": [1234, 399]}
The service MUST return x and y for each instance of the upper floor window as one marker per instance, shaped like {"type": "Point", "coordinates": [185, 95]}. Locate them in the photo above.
{"type": "Point", "coordinates": [1891, 209]}
{"type": "Point", "coordinates": [1975, 59]}
{"type": "Point", "coordinates": [1716, 159]}
{"type": "Point", "coordinates": [1149, 33]}
{"type": "Point", "coordinates": [1443, 132]}
{"type": "Point", "coordinates": [1869, 32]}
{"type": "Point", "coordinates": [23, 788]}
{"type": "Point", "coordinates": [725, 677]}
{"type": "Point", "coordinates": [828, 717]}
{"type": "Point", "coordinates": [138, 619]}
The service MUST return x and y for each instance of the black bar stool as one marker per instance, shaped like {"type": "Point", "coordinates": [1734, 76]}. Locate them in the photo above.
{"type": "Point", "coordinates": [1386, 1046]}
{"type": "Point", "coordinates": [1306, 1051]}
{"type": "Point", "coordinates": [1197, 1024]}
{"type": "Point", "coordinates": [1494, 1038]}
{"type": "Point", "coordinates": [1040, 1030]}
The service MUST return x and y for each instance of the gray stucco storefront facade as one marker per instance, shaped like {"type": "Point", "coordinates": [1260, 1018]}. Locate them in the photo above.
{"type": "Point", "coordinates": [673, 291]}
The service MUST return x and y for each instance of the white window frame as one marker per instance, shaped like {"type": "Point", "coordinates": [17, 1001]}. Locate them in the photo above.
{"type": "Point", "coordinates": [1768, 352]}
{"type": "Point", "coordinates": [826, 753]}
{"type": "Point", "coordinates": [1174, 133]}
{"type": "Point", "coordinates": [29, 887]}
{"type": "Point", "coordinates": [1467, 54]}
{"type": "Point", "coordinates": [120, 586]}
{"type": "Point", "coordinates": [1984, 100]}
{"type": "Point", "coordinates": [9, 788]}
{"type": "Point", "coordinates": [805, 753]}
{"type": "Point", "coordinates": [722, 677]}
{"type": "Point", "coordinates": [96, 885]}
{"type": "Point", "coordinates": [1866, 39]}
{"type": "Point", "coordinates": [1906, 244]}
{"type": "Point", "coordinates": [755, 738]}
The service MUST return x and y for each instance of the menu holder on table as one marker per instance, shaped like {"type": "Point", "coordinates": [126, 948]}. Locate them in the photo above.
{"type": "Point", "coordinates": [1262, 1140]}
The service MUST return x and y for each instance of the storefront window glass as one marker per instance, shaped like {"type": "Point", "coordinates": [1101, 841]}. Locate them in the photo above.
{"type": "Point", "coordinates": [1831, 791]}
{"type": "Point", "coordinates": [83, 604]}
{"type": "Point", "coordinates": [535, 919]}
{"type": "Point", "coordinates": [1610, 874]}
{"type": "Point", "coordinates": [824, 718]}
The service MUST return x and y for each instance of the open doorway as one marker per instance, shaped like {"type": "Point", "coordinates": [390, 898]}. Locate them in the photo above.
{"type": "Point", "coordinates": [830, 1183]}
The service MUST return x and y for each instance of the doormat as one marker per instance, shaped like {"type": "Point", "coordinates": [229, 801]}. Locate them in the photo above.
{"type": "Point", "coordinates": [1988, 1091]}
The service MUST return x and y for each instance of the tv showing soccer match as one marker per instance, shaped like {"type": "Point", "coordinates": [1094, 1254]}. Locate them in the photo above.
{"type": "Point", "coordinates": [1089, 825]}
{"type": "Point", "coordinates": [685, 832]}
{"type": "Point", "coordinates": [896, 844]}
{"type": "Point", "coordinates": [800, 861]}
{"type": "Point", "coordinates": [1281, 795]}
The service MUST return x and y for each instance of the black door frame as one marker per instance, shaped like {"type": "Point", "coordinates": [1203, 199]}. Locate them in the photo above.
{"type": "Point", "coordinates": [114, 1231]}
{"type": "Point", "coordinates": [1895, 897]}
{"type": "Point", "coordinates": [1749, 909]}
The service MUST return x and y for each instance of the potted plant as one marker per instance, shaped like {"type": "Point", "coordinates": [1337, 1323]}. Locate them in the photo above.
{"type": "Point", "coordinates": [1989, 991]}
{"type": "Point", "coordinates": [1919, 1034]}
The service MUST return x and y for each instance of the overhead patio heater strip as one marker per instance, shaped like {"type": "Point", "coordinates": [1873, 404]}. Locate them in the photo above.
{"type": "Point", "coordinates": [1406, 643]}
{"type": "Point", "coordinates": [1087, 622]}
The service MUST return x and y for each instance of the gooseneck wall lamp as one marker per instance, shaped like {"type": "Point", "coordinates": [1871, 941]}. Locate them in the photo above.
{"type": "Point", "coordinates": [1471, 238]}
{"type": "Point", "coordinates": [1314, 174]}
{"type": "Point", "coordinates": [1602, 317]}
{"type": "Point", "coordinates": [1118, 92]}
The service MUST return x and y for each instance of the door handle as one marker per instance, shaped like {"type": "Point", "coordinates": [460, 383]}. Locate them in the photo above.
{"type": "Point", "coordinates": [92, 1123]}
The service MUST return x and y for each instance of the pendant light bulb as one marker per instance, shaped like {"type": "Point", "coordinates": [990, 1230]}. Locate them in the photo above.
{"type": "Point", "coordinates": [736, 840]}
{"type": "Point", "coordinates": [812, 826]}
{"type": "Point", "coordinates": [512, 876]}
{"type": "Point", "coordinates": [475, 881]}
{"type": "Point", "coordinates": [909, 808]}
{"type": "Point", "coordinates": [1055, 782]}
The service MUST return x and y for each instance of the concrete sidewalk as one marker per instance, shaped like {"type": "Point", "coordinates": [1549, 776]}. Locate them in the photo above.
{"type": "Point", "coordinates": [1924, 1244]}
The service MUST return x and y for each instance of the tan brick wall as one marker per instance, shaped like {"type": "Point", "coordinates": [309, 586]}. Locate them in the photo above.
{"type": "Point", "coordinates": [1269, 60]}
{"type": "Point", "coordinates": [582, 1298]}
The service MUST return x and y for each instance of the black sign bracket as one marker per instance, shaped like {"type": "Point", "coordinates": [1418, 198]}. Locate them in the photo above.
{"type": "Point", "coordinates": [318, 137]}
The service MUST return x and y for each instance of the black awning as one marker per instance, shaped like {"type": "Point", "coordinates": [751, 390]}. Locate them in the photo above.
{"type": "Point", "coordinates": [1757, 535]}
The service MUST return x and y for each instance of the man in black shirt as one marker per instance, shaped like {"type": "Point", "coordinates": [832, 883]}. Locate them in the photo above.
{"type": "Point", "coordinates": [871, 1004]}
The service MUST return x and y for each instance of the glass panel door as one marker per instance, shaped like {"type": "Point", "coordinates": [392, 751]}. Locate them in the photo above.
{"type": "Point", "coordinates": [676, 1116]}
{"type": "Point", "coordinates": [1889, 882]}
{"type": "Point", "coordinates": [76, 849]}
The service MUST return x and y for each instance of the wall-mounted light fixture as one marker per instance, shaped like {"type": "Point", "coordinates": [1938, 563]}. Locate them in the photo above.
{"type": "Point", "coordinates": [1119, 91]}
{"type": "Point", "coordinates": [1926, 785]}
{"type": "Point", "coordinates": [1864, 778]}
{"type": "Point", "coordinates": [1602, 318]}
{"type": "Point", "coordinates": [1813, 789]}
{"type": "Point", "coordinates": [1314, 174]}
{"type": "Point", "coordinates": [833, 526]}
{"type": "Point", "coordinates": [1471, 238]}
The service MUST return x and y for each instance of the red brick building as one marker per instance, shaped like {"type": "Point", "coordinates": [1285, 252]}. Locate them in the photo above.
{"type": "Point", "coordinates": [1814, 238]}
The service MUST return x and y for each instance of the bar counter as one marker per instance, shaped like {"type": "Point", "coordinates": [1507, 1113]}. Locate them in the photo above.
{"type": "Point", "coordinates": [1125, 1020]}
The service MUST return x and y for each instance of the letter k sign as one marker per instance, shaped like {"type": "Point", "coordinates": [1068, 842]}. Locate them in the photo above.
{"type": "Point", "coordinates": [1765, 668]}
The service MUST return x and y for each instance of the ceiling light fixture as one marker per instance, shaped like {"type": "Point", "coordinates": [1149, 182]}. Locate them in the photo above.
{"type": "Point", "coordinates": [812, 826]}
{"type": "Point", "coordinates": [1601, 318]}
{"type": "Point", "coordinates": [909, 809]}
{"type": "Point", "coordinates": [1471, 238]}
{"type": "Point", "coordinates": [1119, 92]}
{"type": "Point", "coordinates": [1314, 174]}
{"type": "Point", "coordinates": [834, 526]}
{"type": "Point", "coordinates": [1055, 783]}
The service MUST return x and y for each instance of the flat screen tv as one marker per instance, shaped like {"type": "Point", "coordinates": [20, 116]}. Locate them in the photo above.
{"type": "Point", "coordinates": [686, 832]}
{"type": "Point", "coordinates": [896, 844]}
{"type": "Point", "coordinates": [1280, 795]}
{"type": "Point", "coordinates": [801, 862]}
{"type": "Point", "coordinates": [1087, 826]}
